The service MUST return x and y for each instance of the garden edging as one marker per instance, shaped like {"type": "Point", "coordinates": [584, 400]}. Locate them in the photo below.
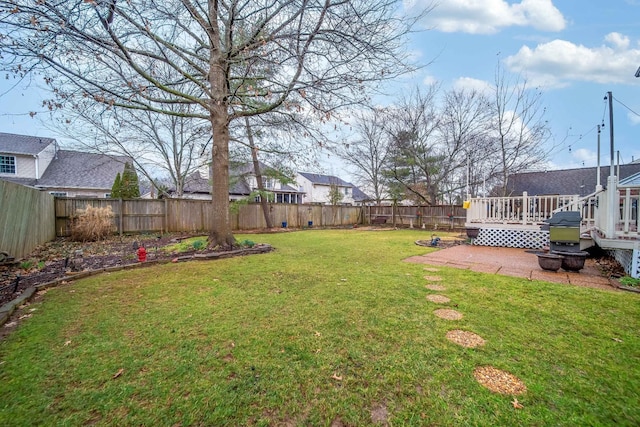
{"type": "Point", "coordinates": [7, 309]}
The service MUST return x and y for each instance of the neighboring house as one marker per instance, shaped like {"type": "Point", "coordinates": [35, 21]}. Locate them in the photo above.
{"type": "Point", "coordinates": [38, 162]}
{"type": "Point", "coordinates": [317, 189]}
{"type": "Point", "coordinates": [580, 181]}
{"type": "Point", "coordinates": [243, 182]}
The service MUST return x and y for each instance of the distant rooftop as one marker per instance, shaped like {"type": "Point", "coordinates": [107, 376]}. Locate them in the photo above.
{"type": "Point", "coordinates": [23, 144]}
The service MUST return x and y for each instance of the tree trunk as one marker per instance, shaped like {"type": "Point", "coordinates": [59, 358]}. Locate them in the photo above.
{"type": "Point", "coordinates": [220, 233]}
{"type": "Point", "coordinates": [264, 203]}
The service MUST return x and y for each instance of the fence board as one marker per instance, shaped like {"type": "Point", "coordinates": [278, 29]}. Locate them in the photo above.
{"type": "Point", "coordinates": [27, 218]}
{"type": "Point", "coordinates": [187, 215]}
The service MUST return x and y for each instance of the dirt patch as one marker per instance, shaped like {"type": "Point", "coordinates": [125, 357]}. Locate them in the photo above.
{"type": "Point", "coordinates": [499, 381]}
{"type": "Point", "coordinates": [448, 314]}
{"type": "Point", "coordinates": [379, 414]}
{"type": "Point", "coordinates": [436, 287]}
{"type": "Point", "coordinates": [431, 269]}
{"type": "Point", "coordinates": [465, 338]}
{"type": "Point", "coordinates": [433, 278]}
{"type": "Point", "coordinates": [440, 299]}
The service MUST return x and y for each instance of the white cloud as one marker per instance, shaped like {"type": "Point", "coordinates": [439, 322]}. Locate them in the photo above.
{"type": "Point", "coordinates": [560, 62]}
{"type": "Point", "coordinates": [429, 80]}
{"type": "Point", "coordinates": [633, 118]}
{"type": "Point", "coordinates": [617, 40]}
{"type": "Point", "coordinates": [489, 16]}
{"type": "Point", "coordinates": [468, 83]}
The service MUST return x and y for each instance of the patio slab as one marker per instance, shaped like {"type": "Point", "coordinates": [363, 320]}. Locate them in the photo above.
{"type": "Point", "coordinates": [512, 262]}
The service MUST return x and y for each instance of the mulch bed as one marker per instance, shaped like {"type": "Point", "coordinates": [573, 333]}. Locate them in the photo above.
{"type": "Point", "coordinates": [448, 314]}
{"type": "Point", "coordinates": [439, 299]}
{"type": "Point", "coordinates": [465, 338]}
{"type": "Point", "coordinates": [499, 381]}
{"type": "Point", "coordinates": [64, 258]}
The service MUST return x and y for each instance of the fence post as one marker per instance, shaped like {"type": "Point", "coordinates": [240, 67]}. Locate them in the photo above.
{"type": "Point", "coordinates": [120, 216]}
{"type": "Point", "coordinates": [166, 215]}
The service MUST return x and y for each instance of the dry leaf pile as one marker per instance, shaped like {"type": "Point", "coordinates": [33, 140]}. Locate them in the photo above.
{"type": "Point", "coordinates": [499, 381]}
{"type": "Point", "coordinates": [445, 313]}
{"type": "Point", "coordinates": [465, 338]}
{"type": "Point", "coordinates": [440, 299]}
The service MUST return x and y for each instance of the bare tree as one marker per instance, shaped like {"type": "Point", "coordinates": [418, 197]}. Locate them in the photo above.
{"type": "Point", "coordinates": [465, 125]}
{"type": "Point", "coordinates": [229, 59]}
{"type": "Point", "coordinates": [165, 147]}
{"type": "Point", "coordinates": [369, 152]}
{"type": "Point", "coordinates": [519, 127]}
{"type": "Point", "coordinates": [417, 158]}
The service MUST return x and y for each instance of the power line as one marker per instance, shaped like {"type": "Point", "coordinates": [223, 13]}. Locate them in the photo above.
{"type": "Point", "coordinates": [625, 106]}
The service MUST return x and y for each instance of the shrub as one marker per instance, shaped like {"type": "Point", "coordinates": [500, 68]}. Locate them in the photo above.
{"type": "Point", "coordinates": [92, 224]}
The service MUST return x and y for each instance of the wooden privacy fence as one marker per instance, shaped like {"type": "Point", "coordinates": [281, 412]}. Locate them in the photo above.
{"type": "Point", "coordinates": [438, 216]}
{"type": "Point", "coordinates": [186, 215]}
{"type": "Point", "coordinates": [26, 218]}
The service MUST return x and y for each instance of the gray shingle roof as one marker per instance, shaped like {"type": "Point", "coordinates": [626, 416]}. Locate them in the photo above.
{"type": "Point", "coordinates": [325, 179]}
{"type": "Point", "coordinates": [567, 181]}
{"type": "Point", "coordinates": [196, 183]}
{"type": "Point", "coordinates": [359, 195]}
{"type": "Point", "coordinates": [23, 144]}
{"type": "Point", "coordinates": [75, 169]}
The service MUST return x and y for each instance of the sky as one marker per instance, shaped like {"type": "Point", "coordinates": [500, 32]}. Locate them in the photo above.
{"type": "Point", "coordinates": [574, 50]}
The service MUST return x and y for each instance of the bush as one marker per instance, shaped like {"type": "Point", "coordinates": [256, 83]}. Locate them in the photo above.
{"type": "Point", "coordinates": [92, 224]}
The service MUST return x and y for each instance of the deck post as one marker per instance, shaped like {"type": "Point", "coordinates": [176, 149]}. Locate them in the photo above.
{"type": "Point", "coordinates": [612, 206]}
{"type": "Point", "coordinates": [525, 208]}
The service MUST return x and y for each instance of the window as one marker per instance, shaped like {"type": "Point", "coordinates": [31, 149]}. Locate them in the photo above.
{"type": "Point", "coordinates": [58, 194]}
{"type": "Point", "coordinates": [8, 164]}
{"type": "Point", "coordinates": [346, 191]}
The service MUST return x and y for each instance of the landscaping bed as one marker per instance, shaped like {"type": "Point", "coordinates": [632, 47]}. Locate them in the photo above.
{"type": "Point", "coordinates": [63, 258]}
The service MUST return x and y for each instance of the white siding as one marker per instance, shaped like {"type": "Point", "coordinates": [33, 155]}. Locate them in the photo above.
{"type": "Point", "coordinates": [45, 157]}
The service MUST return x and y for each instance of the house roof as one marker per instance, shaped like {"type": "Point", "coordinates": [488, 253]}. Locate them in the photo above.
{"type": "Point", "coordinates": [359, 195]}
{"type": "Point", "coordinates": [325, 179]}
{"type": "Point", "coordinates": [630, 181]}
{"type": "Point", "coordinates": [23, 144]}
{"type": "Point", "coordinates": [196, 183]}
{"type": "Point", "coordinates": [580, 181]}
{"type": "Point", "coordinates": [75, 169]}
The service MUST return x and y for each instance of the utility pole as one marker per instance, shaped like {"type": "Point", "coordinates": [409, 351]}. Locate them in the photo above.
{"type": "Point", "coordinates": [598, 184]}
{"type": "Point", "coordinates": [612, 182]}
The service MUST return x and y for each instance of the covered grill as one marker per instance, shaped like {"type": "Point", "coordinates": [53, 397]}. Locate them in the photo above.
{"type": "Point", "coordinates": [564, 231]}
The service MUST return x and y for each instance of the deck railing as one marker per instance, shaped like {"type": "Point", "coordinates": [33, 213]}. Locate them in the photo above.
{"type": "Point", "coordinates": [528, 210]}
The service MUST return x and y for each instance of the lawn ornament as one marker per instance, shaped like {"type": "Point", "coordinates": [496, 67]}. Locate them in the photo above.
{"type": "Point", "coordinates": [142, 254]}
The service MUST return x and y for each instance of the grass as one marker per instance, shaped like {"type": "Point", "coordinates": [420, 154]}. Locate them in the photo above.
{"type": "Point", "coordinates": [331, 326]}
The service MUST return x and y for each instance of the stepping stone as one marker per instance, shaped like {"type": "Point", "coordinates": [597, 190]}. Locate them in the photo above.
{"type": "Point", "coordinates": [433, 278]}
{"type": "Point", "coordinates": [498, 381]}
{"type": "Point", "coordinates": [446, 313]}
{"type": "Point", "coordinates": [465, 338]}
{"type": "Point", "coordinates": [436, 287]}
{"type": "Point", "coordinates": [431, 269]}
{"type": "Point", "coordinates": [440, 299]}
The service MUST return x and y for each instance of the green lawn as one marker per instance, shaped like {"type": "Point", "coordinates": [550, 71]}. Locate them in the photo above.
{"type": "Point", "coordinates": [330, 327]}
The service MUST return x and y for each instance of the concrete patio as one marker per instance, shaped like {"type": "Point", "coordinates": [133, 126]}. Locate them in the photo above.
{"type": "Point", "coordinates": [512, 262]}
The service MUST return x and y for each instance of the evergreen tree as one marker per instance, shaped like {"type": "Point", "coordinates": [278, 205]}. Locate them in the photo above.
{"type": "Point", "coordinates": [129, 182]}
{"type": "Point", "coordinates": [116, 189]}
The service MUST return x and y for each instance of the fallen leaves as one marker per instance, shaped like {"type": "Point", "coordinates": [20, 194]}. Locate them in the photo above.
{"type": "Point", "coordinates": [516, 404]}
{"type": "Point", "coordinates": [117, 374]}
{"type": "Point", "coordinates": [336, 377]}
